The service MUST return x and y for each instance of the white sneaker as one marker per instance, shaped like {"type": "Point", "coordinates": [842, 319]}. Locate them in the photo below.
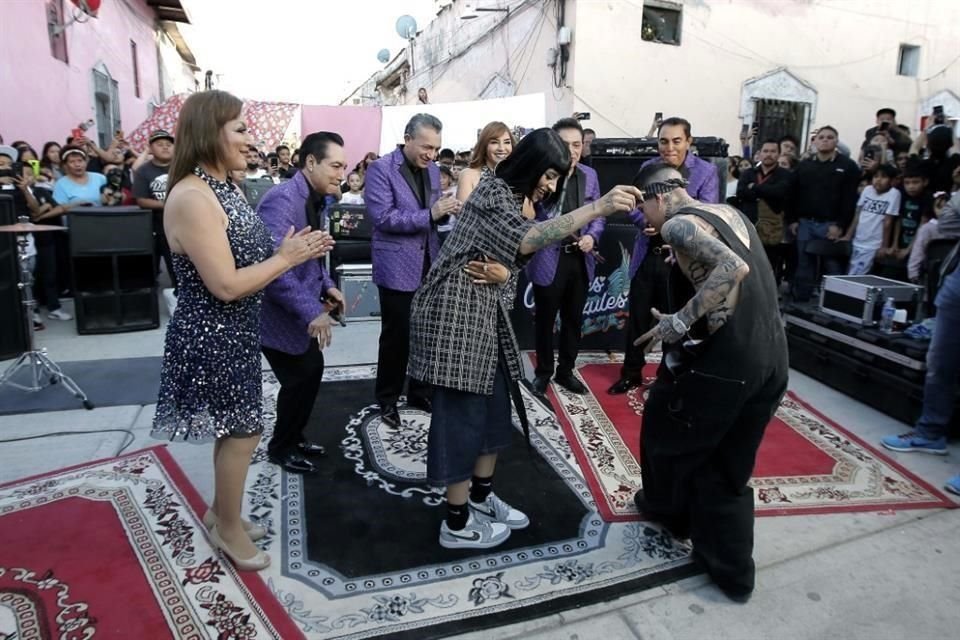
{"type": "Point", "coordinates": [475, 535]}
{"type": "Point", "coordinates": [59, 314]}
{"type": "Point", "coordinates": [493, 509]}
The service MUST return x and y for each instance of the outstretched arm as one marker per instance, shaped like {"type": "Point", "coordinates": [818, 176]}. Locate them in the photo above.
{"type": "Point", "coordinates": [546, 233]}
{"type": "Point", "coordinates": [714, 269]}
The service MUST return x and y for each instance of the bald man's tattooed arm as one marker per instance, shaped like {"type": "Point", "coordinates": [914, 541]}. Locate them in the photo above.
{"type": "Point", "coordinates": [711, 265]}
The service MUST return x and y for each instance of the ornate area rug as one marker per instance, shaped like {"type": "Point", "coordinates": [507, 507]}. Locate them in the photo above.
{"type": "Point", "coordinates": [115, 549]}
{"type": "Point", "coordinates": [806, 463]}
{"type": "Point", "coordinates": [358, 557]}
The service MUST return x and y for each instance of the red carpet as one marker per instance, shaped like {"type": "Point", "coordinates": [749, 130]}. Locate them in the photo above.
{"type": "Point", "coordinates": [806, 463]}
{"type": "Point", "coordinates": [115, 549]}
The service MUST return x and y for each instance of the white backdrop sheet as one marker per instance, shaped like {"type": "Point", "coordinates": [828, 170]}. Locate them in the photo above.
{"type": "Point", "coordinates": [462, 120]}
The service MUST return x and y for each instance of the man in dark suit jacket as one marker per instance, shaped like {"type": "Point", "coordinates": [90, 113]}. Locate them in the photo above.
{"type": "Point", "coordinates": [561, 273]}
{"type": "Point", "coordinates": [402, 194]}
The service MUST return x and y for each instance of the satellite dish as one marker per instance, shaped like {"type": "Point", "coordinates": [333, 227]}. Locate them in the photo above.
{"type": "Point", "coordinates": [383, 56]}
{"type": "Point", "coordinates": [406, 27]}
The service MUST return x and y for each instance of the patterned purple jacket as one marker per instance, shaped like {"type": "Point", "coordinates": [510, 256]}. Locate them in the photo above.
{"type": "Point", "coordinates": [402, 227]}
{"type": "Point", "coordinates": [543, 266]}
{"type": "Point", "coordinates": [703, 184]}
{"type": "Point", "coordinates": [292, 300]}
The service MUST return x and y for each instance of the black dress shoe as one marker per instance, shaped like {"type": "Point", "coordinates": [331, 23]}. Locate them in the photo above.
{"type": "Point", "coordinates": [569, 382]}
{"type": "Point", "coordinates": [540, 384]}
{"type": "Point", "coordinates": [312, 448]}
{"type": "Point", "coordinates": [390, 416]}
{"type": "Point", "coordinates": [623, 385]}
{"type": "Point", "coordinates": [419, 402]}
{"type": "Point", "coordinates": [294, 462]}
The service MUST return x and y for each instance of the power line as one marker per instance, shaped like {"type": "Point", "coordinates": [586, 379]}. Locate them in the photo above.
{"type": "Point", "coordinates": [595, 110]}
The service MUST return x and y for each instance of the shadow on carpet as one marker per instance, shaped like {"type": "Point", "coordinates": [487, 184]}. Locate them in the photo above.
{"type": "Point", "coordinates": [356, 552]}
{"type": "Point", "coordinates": [108, 383]}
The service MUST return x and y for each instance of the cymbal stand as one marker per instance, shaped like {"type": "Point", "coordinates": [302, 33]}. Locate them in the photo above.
{"type": "Point", "coordinates": [43, 371]}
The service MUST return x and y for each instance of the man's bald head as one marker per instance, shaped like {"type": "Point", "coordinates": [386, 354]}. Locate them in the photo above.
{"type": "Point", "coordinates": [659, 178]}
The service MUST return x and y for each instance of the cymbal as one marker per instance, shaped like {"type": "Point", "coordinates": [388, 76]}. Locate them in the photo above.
{"type": "Point", "coordinates": [29, 227]}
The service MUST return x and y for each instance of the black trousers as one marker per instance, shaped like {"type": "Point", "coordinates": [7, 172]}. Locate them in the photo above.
{"type": "Point", "coordinates": [776, 254]}
{"type": "Point", "coordinates": [161, 249]}
{"type": "Point", "coordinates": [394, 351]}
{"type": "Point", "coordinates": [566, 295]}
{"type": "Point", "coordinates": [45, 289]}
{"type": "Point", "coordinates": [299, 377]}
{"type": "Point", "coordinates": [648, 288]}
{"type": "Point", "coordinates": [698, 446]}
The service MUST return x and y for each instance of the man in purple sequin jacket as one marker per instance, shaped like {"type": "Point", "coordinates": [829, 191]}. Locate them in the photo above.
{"type": "Point", "coordinates": [295, 323]}
{"type": "Point", "coordinates": [648, 270]}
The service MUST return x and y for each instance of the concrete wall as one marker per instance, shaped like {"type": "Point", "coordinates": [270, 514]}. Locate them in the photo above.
{"type": "Point", "coordinates": [846, 50]}
{"type": "Point", "coordinates": [489, 56]}
{"type": "Point", "coordinates": [44, 98]}
{"type": "Point", "coordinates": [841, 55]}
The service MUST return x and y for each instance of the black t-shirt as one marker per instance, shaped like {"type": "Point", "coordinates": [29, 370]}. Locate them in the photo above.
{"type": "Point", "coordinates": [912, 210]}
{"type": "Point", "coordinates": [150, 181]}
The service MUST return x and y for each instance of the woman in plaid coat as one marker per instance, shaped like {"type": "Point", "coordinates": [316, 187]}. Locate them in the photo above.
{"type": "Point", "coordinates": [461, 340]}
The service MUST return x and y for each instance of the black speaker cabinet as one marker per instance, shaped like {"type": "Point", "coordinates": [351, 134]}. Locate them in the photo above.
{"type": "Point", "coordinates": [13, 332]}
{"type": "Point", "coordinates": [114, 277]}
{"type": "Point", "coordinates": [617, 160]}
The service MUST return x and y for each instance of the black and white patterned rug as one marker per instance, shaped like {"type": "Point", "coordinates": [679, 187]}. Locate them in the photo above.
{"type": "Point", "coordinates": [355, 547]}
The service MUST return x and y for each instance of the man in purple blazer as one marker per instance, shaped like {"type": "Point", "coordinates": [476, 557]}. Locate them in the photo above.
{"type": "Point", "coordinates": [561, 273]}
{"type": "Point", "coordinates": [402, 194]}
{"type": "Point", "coordinates": [648, 269]}
{"type": "Point", "coordinates": [295, 323]}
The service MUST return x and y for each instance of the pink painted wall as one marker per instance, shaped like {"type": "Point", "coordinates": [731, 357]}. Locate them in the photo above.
{"type": "Point", "coordinates": [41, 98]}
{"type": "Point", "coordinates": [359, 127]}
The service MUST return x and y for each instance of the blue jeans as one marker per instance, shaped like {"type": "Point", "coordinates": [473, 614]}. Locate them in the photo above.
{"type": "Point", "coordinates": [943, 362]}
{"type": "Point", "coordinates": [803, 281]}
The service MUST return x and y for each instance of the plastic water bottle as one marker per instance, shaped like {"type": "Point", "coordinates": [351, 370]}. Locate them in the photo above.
{"type": "Point", "coordinates": [886, 316]}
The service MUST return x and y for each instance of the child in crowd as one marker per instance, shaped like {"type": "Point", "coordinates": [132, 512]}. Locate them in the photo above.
{"type": "Point", "coordinates": [916, 207]}
{"type": "Point", "coordinates": [872, 226]}
{"type": "Point", "coordinates": [355, 195]}
{"type": "Point", "coordinates": [458, 166]}
{"type": "Point", "coordinates": [447, 183]}
{"type": "Point", "coordinates": [928, 232]}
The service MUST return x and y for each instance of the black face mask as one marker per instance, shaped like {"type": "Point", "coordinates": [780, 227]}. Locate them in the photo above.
{"type": "Point", "coordinates": [252, 166]}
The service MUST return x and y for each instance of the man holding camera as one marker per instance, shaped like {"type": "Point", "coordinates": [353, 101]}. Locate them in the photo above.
{"type": "Point", "coordinates": [297, 306]}
{"type": "Point", "coordinates": [150, 190]}
{"type": "Point", "coordinates": [887, 125]}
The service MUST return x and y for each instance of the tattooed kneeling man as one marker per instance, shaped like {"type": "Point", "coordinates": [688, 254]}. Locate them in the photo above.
{"type": "Point", "coordinates": [461, 340]}
{"type": "Point", "coordinates": [722, 377]}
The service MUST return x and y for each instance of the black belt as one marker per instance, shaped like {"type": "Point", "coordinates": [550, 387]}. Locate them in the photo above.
{"type": "Point", "coordinates": [569, 247]}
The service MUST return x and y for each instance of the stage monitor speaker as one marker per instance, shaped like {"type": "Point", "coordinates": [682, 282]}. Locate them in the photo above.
{"type": "Point", "coordinates": [114, 273]}
{"type": "Point", "coordinates": [13, 333]}
{"type": "Point", "coordinates": [255, 189]}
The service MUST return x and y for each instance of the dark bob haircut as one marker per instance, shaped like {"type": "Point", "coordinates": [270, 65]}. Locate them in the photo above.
{"type": "Point", "coordinates": [534, 155]}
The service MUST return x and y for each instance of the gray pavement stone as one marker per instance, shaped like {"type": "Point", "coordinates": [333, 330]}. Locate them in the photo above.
{"type": "Point", "coordinates": [41, 455]}
{"type": "Point", "coordinates": [897, 583]}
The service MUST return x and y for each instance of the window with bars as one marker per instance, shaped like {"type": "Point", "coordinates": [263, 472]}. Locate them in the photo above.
{"type": "Point", "coordinates": [136, 68]}
{"type": "Point", "coordinates": [661, 21]}
{"type": "Point", "coordinates": [56, 30]}
{"type": "Point", "coordinates": [106, 98]}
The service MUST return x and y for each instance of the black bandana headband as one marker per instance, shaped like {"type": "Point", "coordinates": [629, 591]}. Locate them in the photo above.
{"type": "Point", "coordinates": [654, 189]}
